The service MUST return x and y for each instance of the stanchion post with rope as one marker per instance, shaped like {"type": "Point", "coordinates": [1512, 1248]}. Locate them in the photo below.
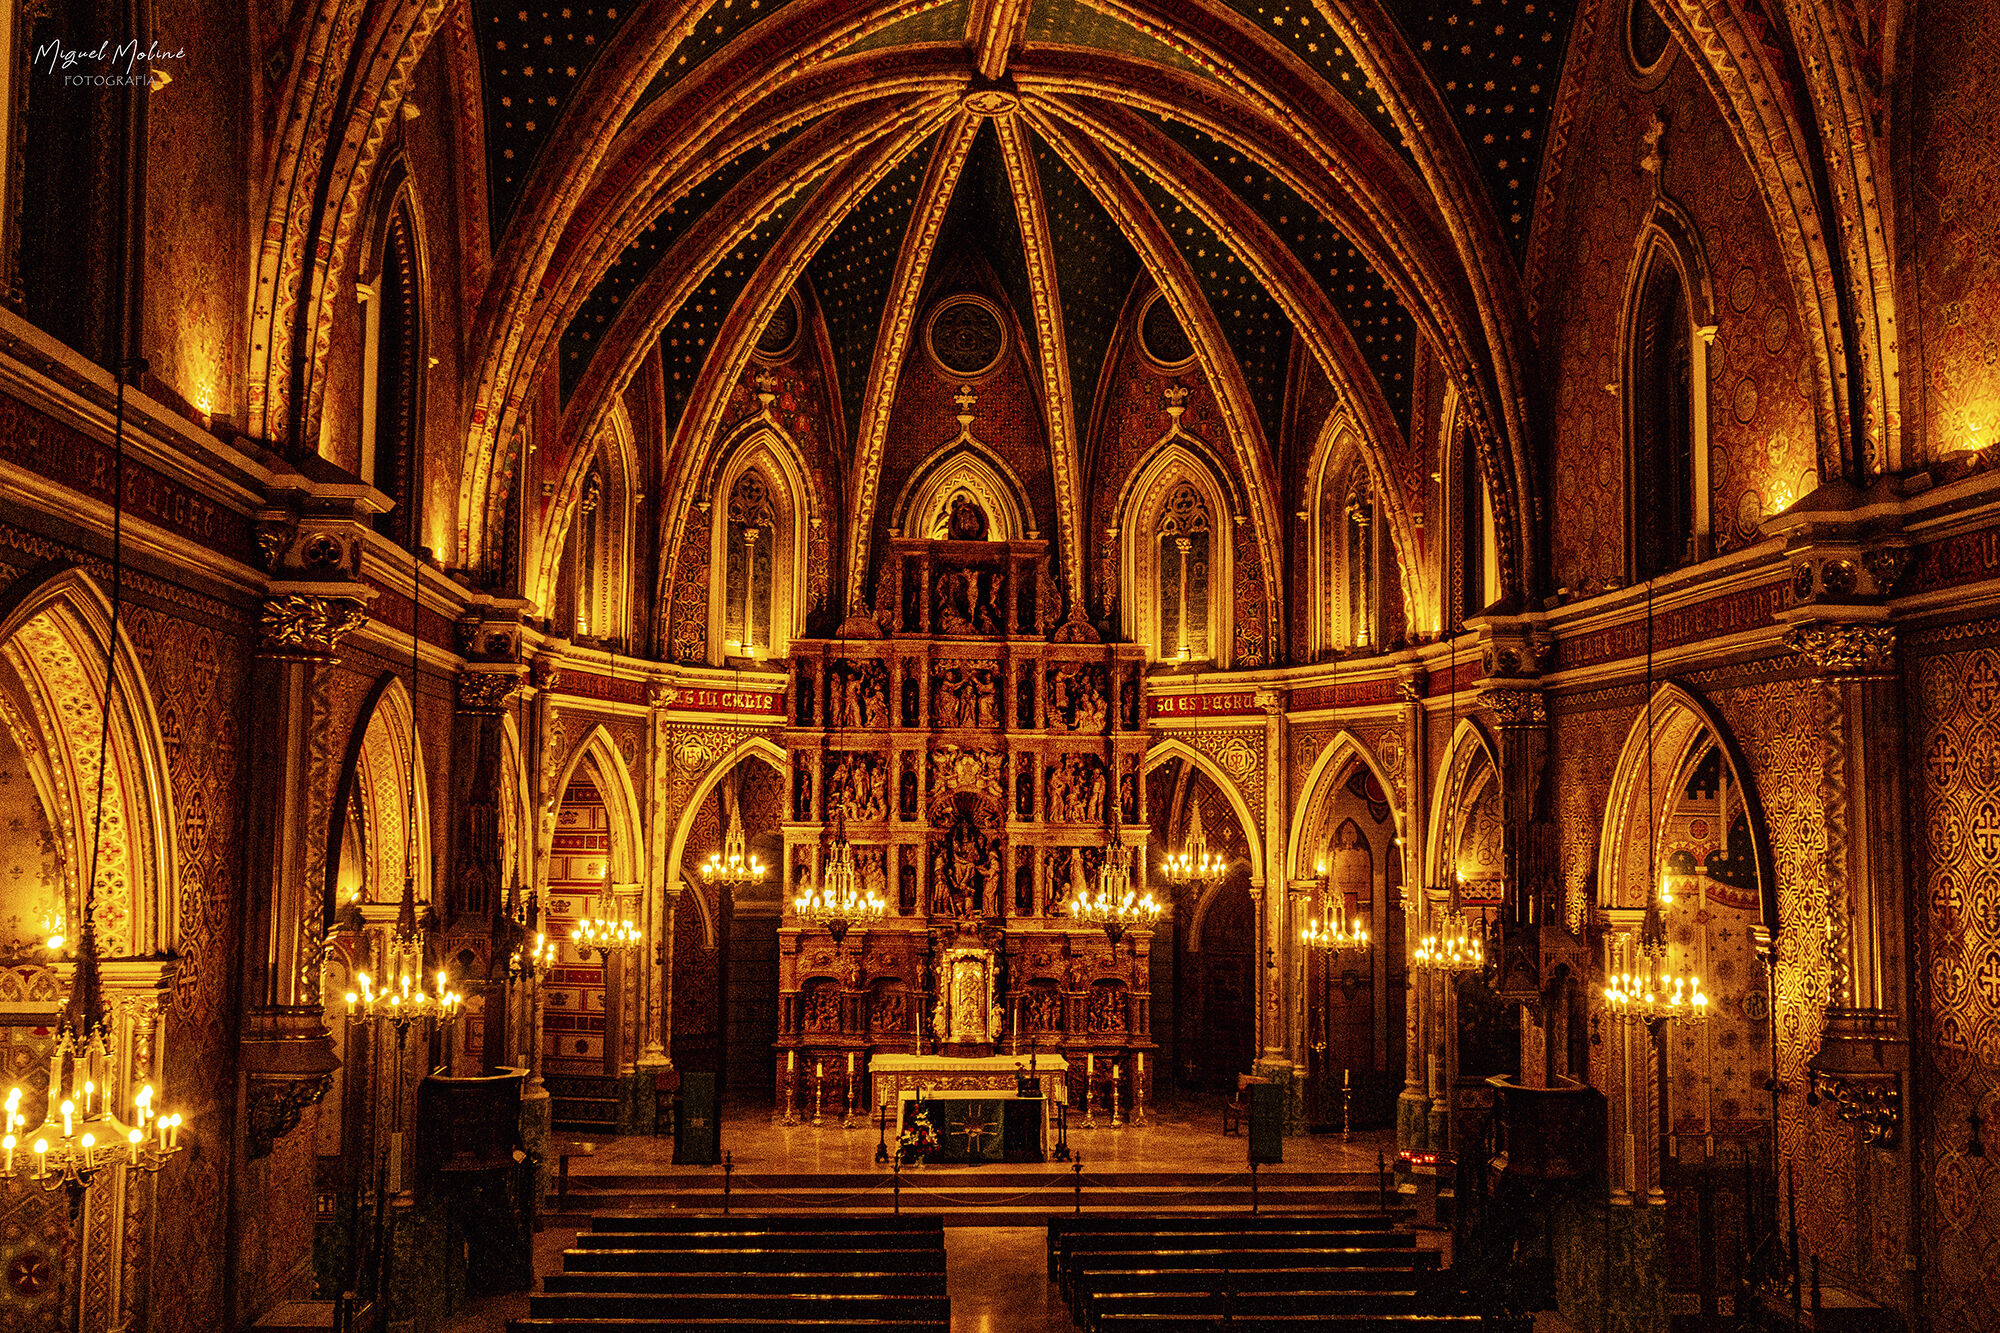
{"type": "Point", "coordinates": [728, 1171]}
{"type": "Point", "coordinates": [1382, 1178]}
{"type": "Point", "coordinates": [1077, 1167]}
{"type": "Point", "coordinates": [1253, 1186]}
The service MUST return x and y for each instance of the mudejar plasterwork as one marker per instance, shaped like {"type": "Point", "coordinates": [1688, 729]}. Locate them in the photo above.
{"type": "Point", "coordinates": [980, 771]}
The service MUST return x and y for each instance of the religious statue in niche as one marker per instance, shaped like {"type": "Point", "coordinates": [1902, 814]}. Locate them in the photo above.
{"type": "Point", "coordinates": [911, 685]}
{"type": "Point", "coordinates": [873, 866]}
{"type": "Point", "coordinates": [802, 790]}
{"type": "Point", "coordinates": [907, 793]}
{"type": "Point", "coordinates": [965, 864]}
{"type": "Point", "coordinates": [1024, 890]}
{"type": "Point", "coordinates": [1128, 795]}
{"type": "Point", "coordinates": [858, 788]}
{"type": "Point", "coordinates": [1024, 796]}
{"type": "Point", "coordinates": [1041, 1009]}
{"type": "Point", "coordinates": [965, 601]}
{"type": "Point", "coordinates": [1071, 870]}
{"type": "Point", "coordinates": [860, 694]}
{"type": "Point", "coordinates": [820, 1007]}
{"type": "Point", "coordinates": [1076, 790]}
{"type": "Point", "coordinates": [1105, 1010]}
{"type": "Point", "coordinates": [954, 770]}
{"type": "Point", "coordinates": [848, 967]}
{"type": "Point", "coordinates": [806, 690]}
{"type": "Point", "coordinates": [1128, 700]}
{"type": "Point", "coordinates": [965, 521]}
{"type": "Point", "coordinates": [1024, 701]}
{"type": "Point", "coordinates": [1077, 698]}
{"type": "Point", "coordinates": [906, 881]}
{"type": "Point", "coordinates": [967, 695]}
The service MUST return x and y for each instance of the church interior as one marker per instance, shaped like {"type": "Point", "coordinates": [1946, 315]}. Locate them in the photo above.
{"type": "Point", "coordinates": [1075, 650]}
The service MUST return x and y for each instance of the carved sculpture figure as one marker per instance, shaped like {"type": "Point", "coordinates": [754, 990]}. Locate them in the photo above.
{"type": "Point", "coordinates": [954, 606]}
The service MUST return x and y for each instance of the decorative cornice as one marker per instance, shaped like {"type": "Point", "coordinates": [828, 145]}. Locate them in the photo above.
{"type": "Point", "coordinates": [1516, 707]}
{"type": "Point", "coordinates": [308, 624]}
{"type": "Point", "coordinates": [487, 691]}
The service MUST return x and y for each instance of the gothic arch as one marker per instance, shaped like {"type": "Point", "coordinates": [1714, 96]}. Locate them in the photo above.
{"type": "Point", "coordinates": [1178, 459]}
{"type": "Point", "coordinates": [1680, 720]}
{"type": "Point", "coordinates": [373, 801]}
{"type": "Point", "coordinates": [53, 632]}
{"type": "Point", "coordinates": [755, 747]}
{"type": "Point", "coordinates": [1161, 751]}
{"type": "Point", "coordinates": [621, 801]}
{"type": "Point", "coordinates": [1341, 457]}
{"type": "Point", "coordinates": [1463, 756]}
{"type": "Point", "coordinates": [612, 456]}
{"type": "Point", "coordinates": [1321, 784]}
{"type": "Point", "coordinates": [764, 449]}
{"type": "Point", "coordinates": [963, 464]}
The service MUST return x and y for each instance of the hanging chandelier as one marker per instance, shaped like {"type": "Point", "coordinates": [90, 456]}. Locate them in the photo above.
{"type": "Point", "coordinates": [1457, 945]}
{"type": "Point", "coordinates": [1193, 865]}
{"type": "Point", "coordinates": [840, 902]}
{"type": "Point", "coordinates": [733, 865]}
{"type": "Point", "coordinates": [1653, 992]}
{"type": "Point", "coordinates": [80, 1133]}
{"type": "Point", "coordinates": [606, 928]}
{"type": "Point", "coordinates": [1331, 930]}
{"type": "Point", "coordinates": [1115, 906]}
{"type": "Point", "coordinates": [402, 1001]}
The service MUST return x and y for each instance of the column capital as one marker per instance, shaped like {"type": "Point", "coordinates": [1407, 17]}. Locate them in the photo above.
{"type": "Point", "coordinates": [487, 689]}
{"type": "Point", "coordinates": [1846, 648]}
{"type": "Point", "coordinates": [310, 624]}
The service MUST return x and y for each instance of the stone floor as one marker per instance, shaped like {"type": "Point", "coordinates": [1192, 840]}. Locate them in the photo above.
{"type": "Point", "coordinates": [1183, 1136]}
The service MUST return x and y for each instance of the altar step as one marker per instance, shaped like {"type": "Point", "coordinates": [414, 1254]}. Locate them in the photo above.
{"type": "Point", "coordinates": [975, 1196]}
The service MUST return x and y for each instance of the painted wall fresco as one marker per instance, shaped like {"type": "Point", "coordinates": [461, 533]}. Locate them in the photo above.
{"type": "Point", "coordinates": [1952, 191]}
{"type": "Point", "coordinates": [1760, 415]}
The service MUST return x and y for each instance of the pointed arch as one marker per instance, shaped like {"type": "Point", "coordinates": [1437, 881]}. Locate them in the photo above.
{"type": "Point", "coordinates": [1470, 752]}
{"type": "Point", "coordinates": [1339, 459]}
{"type": "Point", "coordinates": [759, 480]}
{"type": "Point", "coordinates": [394, 361]}
{"type": "Point", "coordinates": [1161, 751]}
{"type": "Point", "coordinates": [1181, 472]}
{"type": "Point", "coordinates": [965, 464]}
{"type": "Point", "coordinates": [1680, 720]}
{"type": "Point", "coordinates": [1322, 781]}
{"type": "Point", "coordinates": [614, 783]}
{"type": "Point", "coordinates": [612, 461]}
{"type": "Point", "coordinates": [755, 747]}
{"type": "Point", "coordinates": [53, 631]}
{"type": "Point", "coordinates": [374, 803]}
{"type": "Point", "coordinates": [1668, 313]}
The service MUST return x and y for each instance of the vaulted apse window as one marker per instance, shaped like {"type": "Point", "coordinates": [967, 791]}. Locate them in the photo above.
{"type": "Point", "coordinates": [590, 553]}
{"type": "Point", "coordinates": [1183, 534]}
{"type": "Point", "coordinates": [1660, 422]}
{"type": "Point", "coordinates": [1478, 537]}
{"type": "Point", "coordinates": [752, 566]}
{"type": "Point", "coordinates": [392, 342]}
{"type": "Point", "coordinates": [1362, 557]}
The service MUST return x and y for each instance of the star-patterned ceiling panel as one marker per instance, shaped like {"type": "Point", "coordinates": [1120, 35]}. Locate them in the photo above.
{"type": "Point", "coordinates": [1382, 328]}
{"type": "Point", "coordinates": [1095, 268]}
{"type": "Point", "coordinates": [1255, 324]}
{"type": "Point", "coordinates": [530, 58]}
{"type": "Point", "coordinates": [723, 23]}
{"type": "Point", "coordinates": [1298, 24]}
{"type": "Point", "coordinates": [690, 335]}
{"type": "Point", "coordinates": [632, 267]}
{"type": "Point", "coordinates": [982, 220]}
{"type": "Point", "coordinates": [1073, 23]}
{"type": "Point", "coordinates": [946, 23]}
{"type": "Point", "coordinates": [1496, 64]}
{"type": "Point", "coordinates": [852, 272]}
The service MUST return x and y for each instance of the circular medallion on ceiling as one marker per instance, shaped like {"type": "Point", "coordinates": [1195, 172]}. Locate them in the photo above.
{"type": "Point", "coordinates": [1161, 337]}
{"type": "Point", "coordinates": [966, 335]}
{"type": "Point", "coordinates": [991, 102]}
{"type": "Point", "coordinates": [781, 335]}
{"type": "Point", "coordinates": [1649, 43]}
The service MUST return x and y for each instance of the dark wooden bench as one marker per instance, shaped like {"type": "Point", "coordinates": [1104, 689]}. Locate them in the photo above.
{"type": "Point", "coordinates": [792, 1307]}
{"type": "Point", "coordinates": [751, 1284]}
{"type": "Point", "coordinates": [1083, 1266]}
{"type": "Point", "coordinates": [1321, 1323]}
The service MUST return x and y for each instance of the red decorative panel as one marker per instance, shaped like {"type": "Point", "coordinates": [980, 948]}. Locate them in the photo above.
{"type": "Point", "coordinates": [612, 689]}
{"type": "Point", "coordinates": [1749, 609]}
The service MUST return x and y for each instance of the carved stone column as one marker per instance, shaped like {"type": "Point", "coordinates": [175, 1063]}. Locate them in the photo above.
{"type": "Point", "coordinates": [1413, 1105]}
{"type": "Point", "coordinates": [287, 1053]}
{"type": "Point", "coordinates": [480, 877]}
{"type": "Point", "coordinates": [657, 903]}
{"type": "Point", "coordinates": [1277, 1054]}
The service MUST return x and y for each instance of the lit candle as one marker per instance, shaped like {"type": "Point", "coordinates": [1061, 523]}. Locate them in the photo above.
{"type": "Point", "coordinates": [791, 1061]}
{"type": "Point", "coordinates": [68, 1110]}
{"type": "Point", "coordinates": [7, 1144]}
{"type": "Point", "coordinates": [134, 1138]}
{"type": "Point", "coordinates": [174, 1133]}
{"type": "Point", "coordinates": [89, 1093]}
{"type": "Point", "coordinates": [1090, 1065]}
{"type": "Point", "coordinates": [819, 1069]}
{"type": "Point", "coordinates": [1138, 1066]}
{"type": "Point", "coordinates": [89, 1141]}
{"type": "Point", "coordinates": [41, 1158]}
{"type": "Point", "coordinates": [850, 1064]}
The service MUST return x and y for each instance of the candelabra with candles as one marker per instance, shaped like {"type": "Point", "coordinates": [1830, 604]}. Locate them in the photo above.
{"type": "Point", "coordinates": [1654, 992]}
{"type": "Point", "coordinates": [1115, 905]}
{"type": "Point", "coordinates": [1193, 865]}
{"type": "Point", "coordinates": [79, 1134]}
{"type": "Point", "coordinates": [839, 902]}
{"type": "Point", "coordinates": [1331, 930]}
{"type": "Point", "coordinates": [606, 929]}
{"type": "Point", "coordinates": [1457, 945]}
{"type": "Point", "coordinates": [733, 865]}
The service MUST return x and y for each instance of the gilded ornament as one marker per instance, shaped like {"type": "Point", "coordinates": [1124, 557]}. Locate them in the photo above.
{"type": "Point", "coordinates": [309, 626]}
{"type": "Point", "coordinates": [1846, 648]}
{"type": "Point", "coordinates": [486, 691]}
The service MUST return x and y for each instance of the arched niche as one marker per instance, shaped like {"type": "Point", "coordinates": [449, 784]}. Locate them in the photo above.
{"type": "Point", "coordinates": [1359, 569]}
{"type": "Point", "coordinates": [53, 633]}
{"type": "Point", "coordinates": [761, 506]}
{"type": "Point", "coordinates": [1165, 750]}
{"type": "Point", "coordinates": [370, 845]}
{"type": "Point", "coordinates": [1176, 521]}
{"type": "Point", "coordinates": [1325, 781]}
{"type": "Point", "coordinates": [1683, 810]}
{"type": "Point", "coordinates": [394, 358]}
{"type": "Point", "coordinates": [964, 469]}
{"type": "Point", "coordinates": [682, 858]}
{"type": "Point", "coordinates": [1464, 806]}
{"type": "Point", "coordinates": [587, 555]}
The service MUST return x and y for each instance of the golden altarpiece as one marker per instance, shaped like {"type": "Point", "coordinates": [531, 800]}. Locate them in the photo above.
{"type": "Point", "coordinates": [981, 759]}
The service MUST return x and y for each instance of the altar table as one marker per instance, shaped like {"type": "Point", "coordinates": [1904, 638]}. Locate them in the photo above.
{"type": "Point", "coordinates": [979, 1126]}
{"type": "Point", "coordinates": [891, 1076]}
